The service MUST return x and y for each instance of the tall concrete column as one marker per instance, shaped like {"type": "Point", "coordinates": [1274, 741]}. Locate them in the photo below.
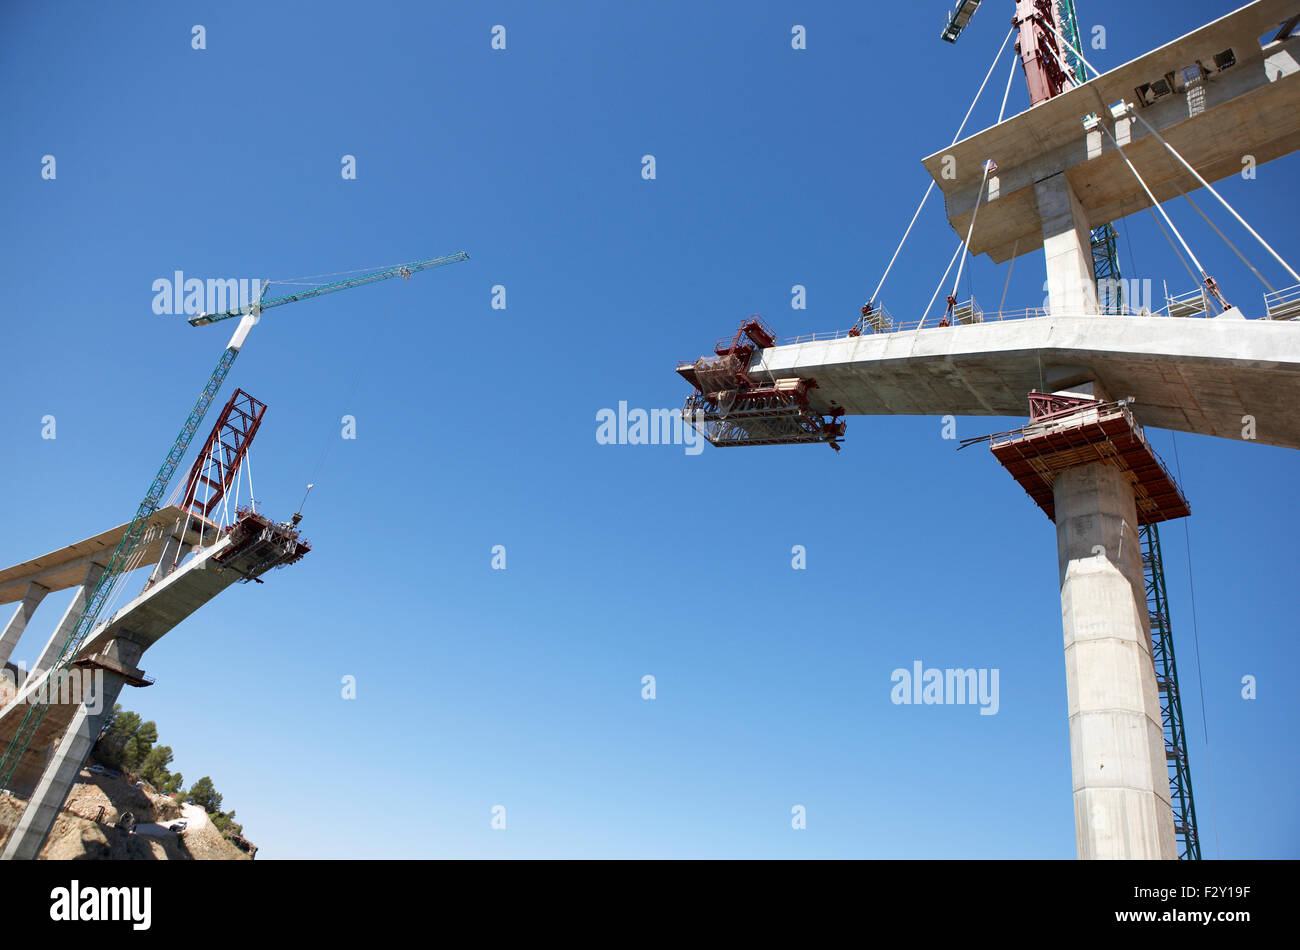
{"type": "Point", "coordinates": [1117, 749]}
{"type": "Point", "coordinates": [18, 622]}
{"type": "Point", "coordinates": [1067, 246]}
{"type": "Point", "coordinates": [70, 616]}
{"type": "Point", "coordinates": [28, 837]}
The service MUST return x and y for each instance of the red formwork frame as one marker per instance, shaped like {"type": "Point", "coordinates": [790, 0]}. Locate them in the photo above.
{"type": "Point", "coordinates": [219, 460]}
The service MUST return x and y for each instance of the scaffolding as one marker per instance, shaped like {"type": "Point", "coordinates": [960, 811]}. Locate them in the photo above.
{"type": "Point", "coordinates": [730, 407]}
{"type": "Point", "coordinates": [1066, 432]}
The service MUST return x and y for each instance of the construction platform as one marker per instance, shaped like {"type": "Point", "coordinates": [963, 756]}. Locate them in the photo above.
{"type": "Point", "coordinates": [732, 407]}
{"type": "Point", "coordinates": [1192, 375]}
{"type": "Point", "coordinates": [1080, 432]}
{"type": "Point", "coordinates": [248, 548]}
{"type": "Point", "coordinates": [1216, 94]}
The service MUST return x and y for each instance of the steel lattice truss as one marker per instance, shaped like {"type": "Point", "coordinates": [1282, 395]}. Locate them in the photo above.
{"type": "Point", "coordinates": [218, 462]}
{"type": "Point", "coordinates": [1171, 706]}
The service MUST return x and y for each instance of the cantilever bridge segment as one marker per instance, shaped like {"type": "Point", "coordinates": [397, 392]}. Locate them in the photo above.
{"type": "Point", "coordinates": [1171, 121]}
{"type": "Point", "coordinates": [189, 559]}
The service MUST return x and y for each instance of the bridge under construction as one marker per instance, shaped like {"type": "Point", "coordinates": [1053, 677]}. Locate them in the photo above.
{"type": "Point", "coordinates": [194, 547]}
{"type": "Point", "coordinates": [1090, 368]}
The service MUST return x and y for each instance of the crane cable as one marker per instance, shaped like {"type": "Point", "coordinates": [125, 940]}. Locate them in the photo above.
{"type": "Point", "coordinates": [1196, 646]}
{"type": "Point", "coordinates": [1242, 257]}
{"type": "Point", "coordinates": [1156, 204]}
{"type": "Point", "coordinates": [875, 293]}
{"type": "Point", "coordinates": [960, 245]}
{"type": "Point", "coordinates": [1177, 253]}
{"type": "Point", "coordinates": [1177, 462]}
{"type": "Point", "coordinates": [988, 166]}
{"type": "Point", "coordinates": [1197, 175]}
{"type": "Point", "coordinates": [1225, 238]}
{"type": "Point", "coordinates": [311, 280]}
{"type": "Point", "coordinates": [964, 245]}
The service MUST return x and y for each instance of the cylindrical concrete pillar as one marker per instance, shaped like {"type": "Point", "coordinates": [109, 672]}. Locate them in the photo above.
{"type": "Point", "coordinates": [1117, 749]}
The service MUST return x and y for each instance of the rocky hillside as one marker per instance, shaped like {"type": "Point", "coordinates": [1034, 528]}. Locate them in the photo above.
{"type": "Point", "coordinates": [87, 829]}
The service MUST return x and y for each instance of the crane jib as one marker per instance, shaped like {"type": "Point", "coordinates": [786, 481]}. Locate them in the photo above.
{"type": "Point", "coordinates": [401, 270]}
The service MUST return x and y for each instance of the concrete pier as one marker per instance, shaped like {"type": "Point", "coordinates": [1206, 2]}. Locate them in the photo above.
{"type": "Point", "coordinates": [54, 645]}
{"type": "Point", "coordinates": [1067, 246]}
{"type": "Point", "coordinates": [107, 659]}
{"type": "Point", "coordinates": [28, 836]}
{"type": "Point", "coordinates": [13, 631]}
{"type": "Point", "coordinates": [1117, 750]}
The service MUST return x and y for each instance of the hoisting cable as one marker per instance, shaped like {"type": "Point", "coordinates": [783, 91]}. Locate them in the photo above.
{"type": "Point", "coordinates": [1227, 242]}
{"type": "Point", "coordinates": [312, 280]}
{"type": "Point", "coordinates": [1207, 279]}
{"type": "Point", "coordinates": [1196, 646]}
{"type": "Point", "coordinates": [1177, 253]}
{"type": "Point", "coordinates": [1195, 174]}
{"type": "Point", "coordinates": [1010, 267]}
{"type": "Point", "coordinates": [960, 245]}
{"type": "Point", "coordinates": [988, 167]}
{"type": "Point", "coordinates": [965, 245]}
{"type": "Point", "coordinates": [955, 139]}
{"type": "Point", "coordinates": [1224, 237]}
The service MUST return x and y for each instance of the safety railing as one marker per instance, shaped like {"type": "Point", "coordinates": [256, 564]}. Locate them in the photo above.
{"type": "Point", "coordinates": [1283, 304]}
{"type": "Point", "coordinates": [1195, 303]}
{"type": "Point", "coordinates": [1280, 305]}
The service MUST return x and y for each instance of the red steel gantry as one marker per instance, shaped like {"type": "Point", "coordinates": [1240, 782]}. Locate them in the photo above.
{"type": "Point", "coordinates": [731, 407]}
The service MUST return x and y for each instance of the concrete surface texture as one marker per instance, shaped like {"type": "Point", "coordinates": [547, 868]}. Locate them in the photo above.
{"type": "Point", "coordinates": [1249, 108]}
{"type": "Point", "coordinates": [109, 659]}
{"type": "Point", "coordinates": [1192, 375]}
{"type": "Point", "coordinates": [1117, 749]}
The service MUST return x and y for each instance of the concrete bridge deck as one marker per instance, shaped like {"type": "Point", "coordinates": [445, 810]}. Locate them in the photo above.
{"type": "Point", "coordinates": [1194, 375]}
{"type": "Point", "coordinates": [143, 621]}
{"type": "Point", "coordinates": [66, 566]}
{"type": "Point", "coordinates": [1246, 108]}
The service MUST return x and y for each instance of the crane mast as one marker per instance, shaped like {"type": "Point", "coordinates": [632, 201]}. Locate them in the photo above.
{"type": "Point", "coordinates": [1042, 59]}
{"type": "Point", "coordinates": [130, 541]}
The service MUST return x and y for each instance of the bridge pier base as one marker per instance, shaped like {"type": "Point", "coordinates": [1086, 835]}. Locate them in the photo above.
{"type": "Point", "coordinates": [13, 631]}
{"type": "Point", "coordinates": [1117, 749]}
{"type": "Point", "coordinates": [33, 827]}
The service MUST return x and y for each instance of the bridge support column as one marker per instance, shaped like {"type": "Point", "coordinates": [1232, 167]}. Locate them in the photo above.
{"type": "Point", "coordinates": [99, 695]}
{"type": "Point", "coordinates": [18, 622]}
{"type": "Point", "coordinates": [1117, 749]}
{"type": "Point", "coordinates": [174, 551]}
{"type": "Point", "coordinates": [70, 617]}
{"type": "Point", "coordinates": [1067, 246]}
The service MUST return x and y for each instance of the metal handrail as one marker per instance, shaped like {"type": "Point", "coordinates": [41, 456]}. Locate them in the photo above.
{"type": "Point", "coordinates": [1283, 304]}
{"type": "Point", "coordinates": [1030, 313]}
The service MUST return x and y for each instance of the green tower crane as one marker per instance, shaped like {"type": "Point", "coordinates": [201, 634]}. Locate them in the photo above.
{"type": "Point", "coordinates": [249, 315]}
{"type": "Point", "coordinates": [1105, 261]}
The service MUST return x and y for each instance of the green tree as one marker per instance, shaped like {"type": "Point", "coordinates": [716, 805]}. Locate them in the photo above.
{"type": "Point", "coordinates": [226, 824]}
{"type": "Point", "coordinates": [138, 745]}
{"type": "Point", "coordinates": [204, 794]}
{"type": "Point", "coordinates": [154, 767]}
{"type": "Point", "coordinates": [111, 747]}
{"type": "Point", "coordinates": [111, 718]}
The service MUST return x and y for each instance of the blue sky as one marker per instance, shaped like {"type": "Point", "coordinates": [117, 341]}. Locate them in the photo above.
{"type": "Point", "coordinates": [476, 427]}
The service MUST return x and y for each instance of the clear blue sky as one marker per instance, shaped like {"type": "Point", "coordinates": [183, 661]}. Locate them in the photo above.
{"type": "Point", "coordinates": [476, 427]}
